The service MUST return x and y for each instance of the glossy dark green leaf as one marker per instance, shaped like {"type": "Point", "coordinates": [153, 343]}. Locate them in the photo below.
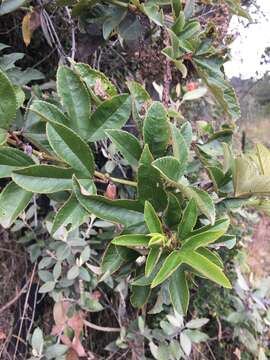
{"type": "Point", "coordinates": [139, 295]}
{"type": "Point", "coordinates": [205, 267]}
{"type": "Point", "coordinates": [111, 114]}
{"type": "Point", "coordinates": [156, 129]}
{"type": "Point", "coordinates": [13, 200]}
{"type": "Point", "coordinates": [11, 159]}
{"type": "Point", "coordinates": [150, 184]}
{"type": "Point", "coordinates": [43, 179]}
{"type": "Point", "coordinates": [114, 257]}
{"type": "Point", "coordinates": [151, 218]}
{"type": "Point", "coordinates": [173, 211]}
{"type": "Point", "coordinates": [131, 240]}
{"type": "Point", "coordinates": [152, 259]}
{"type": "Point", "coordinates": [126, 212]}
{"type": "Point", "coordinates": [71, 148]}
{"type": "Point", "coordinates": [204, 237]}
{"type": "Point", "coordinates": [179, 291]}
{"type": "Point", "coordinates": [127, 144]}
{"type": "Point", "coordinates": [48, 112]}
{"type": "Point", "coordinates": [188, 220]}
{"type": "Point", "coordinates": [8, 101]}
{"type": "Point", "coordinates": [76, 100]}
{"type": "Point", "coordinates": [172, 262]}
{"type": "Point", "coordinates": [71, 215]}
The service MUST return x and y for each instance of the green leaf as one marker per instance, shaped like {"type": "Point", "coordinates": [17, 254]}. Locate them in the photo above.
{"type": "Point", "coordinates": [205, 267]}
{"type": "Point", "coordinates": [180, 149]}
{"type": "Point", "coordinates": [37, 340]}
{"type": "Point", "coordinates": [127, 144]}
{"type": "Point", "coordinates": [150, 184]}
{"type": "Point", "coordinates": [172, 262]}
{"type": "Point", "coordinates": [152, 220]}
{"type": "Point", "coordinates": [93, 77]}
{"type": "Point", "coordinates": [126, 212]}
{"type": "Point", "coordinates": [152, 259]}
{"type": "Point", "coordinates": [47, 287]}
{"type": "Point", "coordinates": [13, 200]}
{"type": "Point", "coordinates": [111, 114]}
{"type": "Point", "coordinates": [247, 181]}
{"type": "Point", "coordinates": [170, 168]}
{"type": "Point", "coordinates": [194, 94]}
{"type": "Point", "coordinates": [73, 272]}
{"type": "Point", "coordinates": [139, 295]}
{"type": "Point", "coordinates": [11, 159]}
{"type": "Point", "coordinates": [43, 179]}
{"type": "Point", "coordinates": [211, 256]}
{"type": "Point", "coordinates": [173, 211]}
{"type": "Point", "coordinates": [176, 7]}
{"type": "Point", "coordinates": [48, 112]}
{"type": "Point", "coordinates": [154, 13]}
{"type": "Point", "coordinates": [8, 103]}
{"type": "Point", "coordinates": [186, 131]}
{"type": "Point", "coordinates": [140, 100]}
{"type": "Point", "coordinates": [209, 70]}
{"type": "Point", "coordinates": [8, 6]}
{"type": "Point", "coordinates": [131, 240]}
{"type": "Point", "coordinates": [179, 291]}
{"type": "Point", "coordinates": [114, 257]}
{"type": "Point", "coordinates": [206, 236]}
{"type": "Point", "coordinates": [264, 159]}
{"type": "Point", "coordinates": [178, 26]}
{"type": "Point", "coordinates": [56, 350]}
{"type": "Point", "coordinates": [71, 215]}
{"type": "Point", "coordinates": [156, 129]}
{"type": "Point", "coordinates": [76, 100]}
{"type": "Point", "coordinates": [71, 148]}
{"type": "Point", "coordinates": [188, 220]}
{"type": "Point", "coordinates": [3, 136]}
{"type": "Point", "coordinates": [203, 201]}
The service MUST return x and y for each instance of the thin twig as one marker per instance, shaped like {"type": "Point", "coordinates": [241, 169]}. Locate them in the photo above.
{"type": "Point", "coordinates": [16, 298]}
{"type": "Point", "coordinates": [101, 328]}
{"type": "Point", "coordinates": [73, 36]}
